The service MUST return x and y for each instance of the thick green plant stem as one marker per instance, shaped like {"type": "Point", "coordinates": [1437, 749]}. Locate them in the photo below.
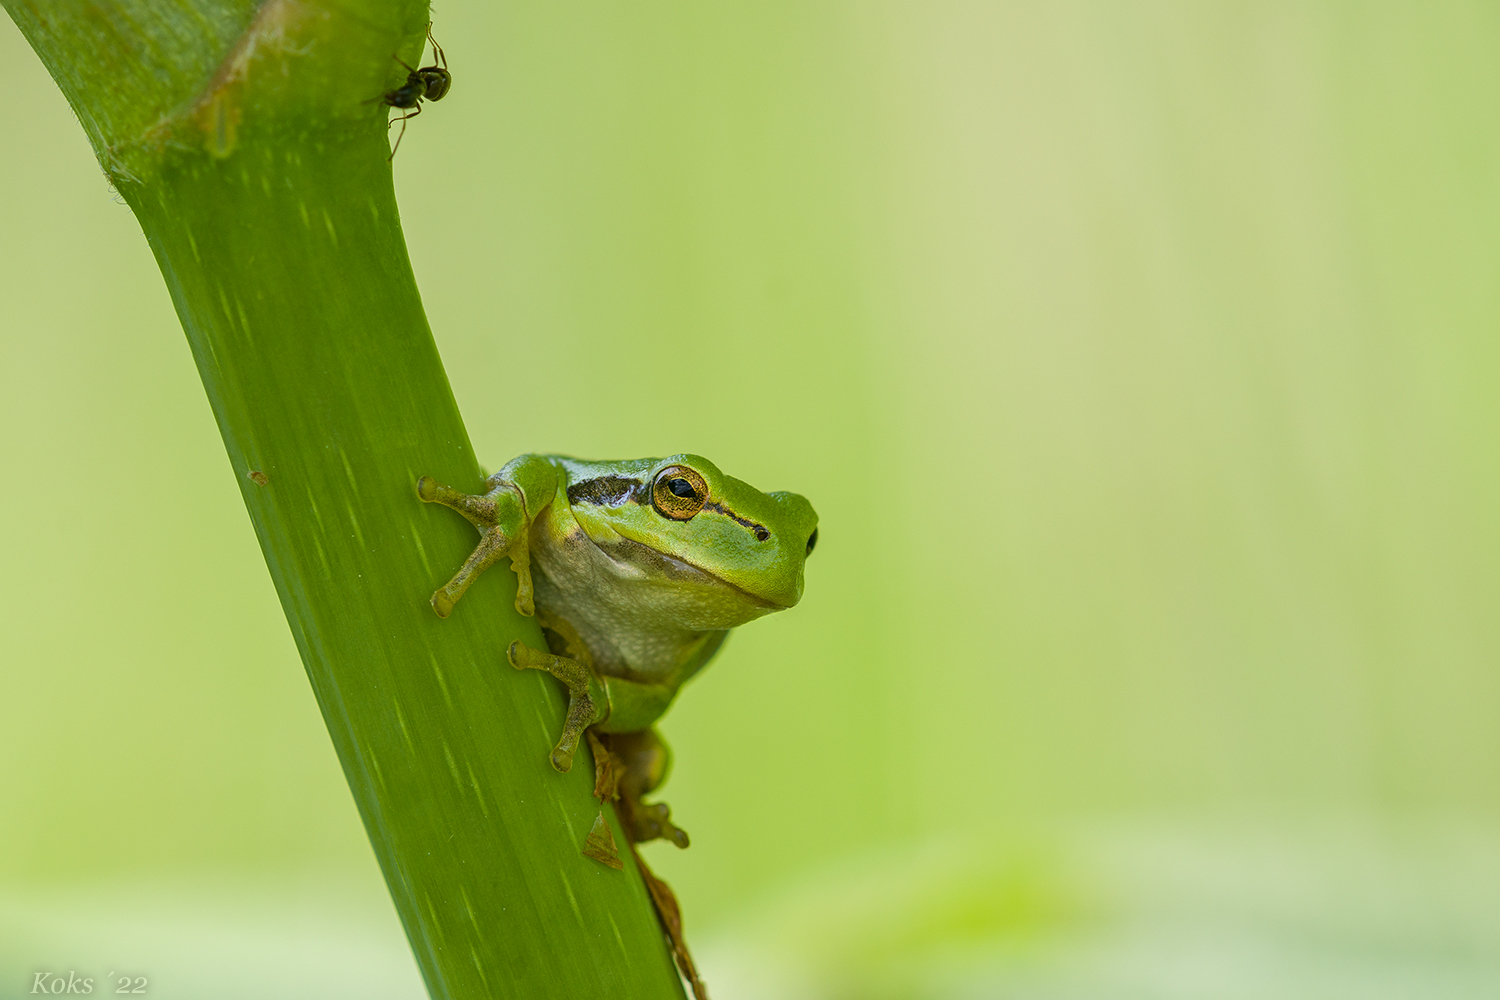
{"type": "Point", "coordinates": [245, 140]}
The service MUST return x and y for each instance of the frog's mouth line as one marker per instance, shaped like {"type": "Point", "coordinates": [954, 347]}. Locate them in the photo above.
{"type": "Point", "coordinates": [675, 569]}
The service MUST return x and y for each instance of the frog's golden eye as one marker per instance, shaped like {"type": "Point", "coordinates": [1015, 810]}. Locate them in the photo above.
{"type": "Point", "coordinates": [679, 492]}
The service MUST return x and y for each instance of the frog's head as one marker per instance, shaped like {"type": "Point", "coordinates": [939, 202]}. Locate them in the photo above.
{"type": "Point", "coordinates": [684, 509]}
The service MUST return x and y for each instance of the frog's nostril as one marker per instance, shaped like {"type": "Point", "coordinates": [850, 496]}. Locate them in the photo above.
{"type": "Point", "coordinates": [761, 534]}
{"type": "Point", "coordinates": [812, 541]}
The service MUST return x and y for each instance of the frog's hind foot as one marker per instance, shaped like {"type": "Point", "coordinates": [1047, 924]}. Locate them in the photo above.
{"type": "Point", "coordinates": [645, 821]}
{"type": "Point", "coordinates": [631, 765]}
{"type": "Point", "coordinates": [500, 517]}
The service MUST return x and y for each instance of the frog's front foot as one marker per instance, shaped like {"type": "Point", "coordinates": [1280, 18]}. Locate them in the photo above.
{"type": "Point", "coordinates": [500, 516]}
{"type": "Point", "coordinates": [588, 702]}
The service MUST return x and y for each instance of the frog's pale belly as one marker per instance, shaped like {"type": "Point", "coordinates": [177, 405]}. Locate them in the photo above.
{"type": "Point", "coordinates": [644, 616]}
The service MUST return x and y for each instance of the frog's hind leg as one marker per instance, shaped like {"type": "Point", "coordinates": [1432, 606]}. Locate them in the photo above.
{"type": "Point", "coordinates": [669, 913]}
{"type": "Point", "coordinates": [627, 766]}
{"type": "Point", "coordinates": [500, 516]}
{"type": "Point", "coordinates": [643, 760]}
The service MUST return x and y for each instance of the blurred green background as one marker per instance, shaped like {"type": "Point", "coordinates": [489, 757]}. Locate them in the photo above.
{"type": "Point", "coordinates": [1141, 361]}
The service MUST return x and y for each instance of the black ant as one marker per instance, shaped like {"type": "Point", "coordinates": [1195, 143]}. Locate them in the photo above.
{"type": "Point", "coordinates": [429, 83]}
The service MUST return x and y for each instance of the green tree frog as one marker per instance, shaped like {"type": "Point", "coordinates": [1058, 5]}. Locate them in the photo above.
{"type": "Point", "coordinates": [636, 571]}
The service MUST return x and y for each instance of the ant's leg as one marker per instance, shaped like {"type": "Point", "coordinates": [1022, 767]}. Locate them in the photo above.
{"type": "Point", "coordinates": [399, 136]}
{"type": "Point", "coordinates": [402, 134]}
{"type": "Point", "coordinates": [410, 113]}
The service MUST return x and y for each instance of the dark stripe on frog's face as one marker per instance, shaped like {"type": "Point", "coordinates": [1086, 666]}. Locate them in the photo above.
{"type": "Point", "coordinates": [761, 534]}
{"type": "Point", "coordinates": [608, 491]}
{"type": "Point", "coordinates": [614, 491]}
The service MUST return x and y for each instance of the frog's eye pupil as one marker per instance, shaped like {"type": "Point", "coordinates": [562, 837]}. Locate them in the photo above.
{"type": "Point", "coordinates": [682, 488]}
{"type": "Point", "coordinates": [812, 541]}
